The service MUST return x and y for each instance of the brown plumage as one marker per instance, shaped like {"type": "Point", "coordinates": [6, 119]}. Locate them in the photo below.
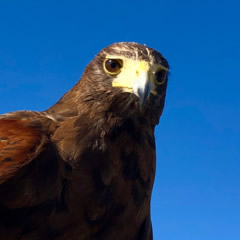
{"type": "Point", "coordinates": [84, 169]}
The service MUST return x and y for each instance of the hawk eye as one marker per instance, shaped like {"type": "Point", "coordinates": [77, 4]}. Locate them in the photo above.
{"type": "Point", "coordinates": [113, 66]}
{"type": "Point", "coordinates": [160, 77]}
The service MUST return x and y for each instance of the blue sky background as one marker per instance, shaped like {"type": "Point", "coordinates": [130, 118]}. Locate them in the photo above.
{"type": "Point", "coordinates": [45, 46]}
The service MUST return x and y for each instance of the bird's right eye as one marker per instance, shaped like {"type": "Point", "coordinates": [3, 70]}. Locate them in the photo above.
{"type": "Point", "coordinates": [113, 66]}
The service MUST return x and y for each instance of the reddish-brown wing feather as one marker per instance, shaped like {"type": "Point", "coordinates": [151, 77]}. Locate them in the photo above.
{"type": "Point", "coordinates": [22, 135]}
{"type": "Point", "coordinates": [17, 143]}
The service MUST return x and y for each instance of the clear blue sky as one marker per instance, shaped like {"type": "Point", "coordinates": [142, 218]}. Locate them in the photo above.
{"type": "Point", "coordinates": [45, 45]}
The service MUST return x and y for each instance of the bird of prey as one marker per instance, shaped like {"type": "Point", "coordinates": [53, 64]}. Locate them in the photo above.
{"type": "Point", "coordinates": [84, 168]}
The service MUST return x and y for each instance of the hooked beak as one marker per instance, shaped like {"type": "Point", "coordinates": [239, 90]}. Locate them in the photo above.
{"type": "Point", "coordinates": [136, 77]}
{"type": "Point", "coordinates": [142, 87]}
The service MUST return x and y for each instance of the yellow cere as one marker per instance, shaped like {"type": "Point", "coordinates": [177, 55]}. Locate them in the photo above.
{"type": "Point", "coordinates": [144, 66]}
{"type": "Point", "coordinates": [129, 73]}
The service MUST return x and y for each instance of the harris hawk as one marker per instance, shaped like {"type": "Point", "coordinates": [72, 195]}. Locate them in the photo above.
{"type": "Point", "coordinates": [84, 169]}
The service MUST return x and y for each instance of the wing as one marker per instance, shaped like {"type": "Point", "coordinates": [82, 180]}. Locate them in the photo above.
{"type": "Point", "coordinates": [22, 135]}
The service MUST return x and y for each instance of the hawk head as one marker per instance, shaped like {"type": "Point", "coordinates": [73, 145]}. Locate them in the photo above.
{"type": "Point", "coordinates": [125, 79]}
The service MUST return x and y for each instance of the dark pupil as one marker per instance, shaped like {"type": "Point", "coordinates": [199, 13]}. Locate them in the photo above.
{"type": "Point", "coordinates": [113, 65]}
{"type": "Point", "coordinates": [160, 76]}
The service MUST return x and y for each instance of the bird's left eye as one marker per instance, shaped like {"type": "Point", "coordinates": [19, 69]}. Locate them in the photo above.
{"type": "Point", "coordinates": [160, 77]}
{"type": "Point", "coordinates": [113, 66]}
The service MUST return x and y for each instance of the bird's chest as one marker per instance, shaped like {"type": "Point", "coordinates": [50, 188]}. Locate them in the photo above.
{"type": "Point", "coordinates": [111, 186]}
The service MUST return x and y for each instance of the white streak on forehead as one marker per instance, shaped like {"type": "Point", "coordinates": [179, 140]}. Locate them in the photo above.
{"type": "Point", "coordinates": [134, 50]}
{"type": "Point", "coordinates": [120, 48]}
{"type": "Point", "coordinates": [136, 53]}
{"type": "Point", "coordinates": [150, 56]}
